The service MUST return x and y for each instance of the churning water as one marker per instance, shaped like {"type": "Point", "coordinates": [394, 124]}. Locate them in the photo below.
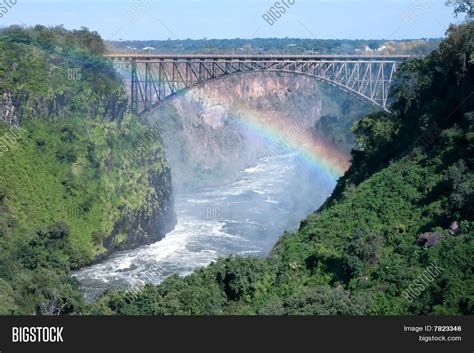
{"type": "Point", "coordinates": [242, 218]}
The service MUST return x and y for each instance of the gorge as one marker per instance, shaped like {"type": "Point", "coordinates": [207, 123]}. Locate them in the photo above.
{"type": "Point", "coordinates": [248, 163]}
{"type": "Point", "coordinates": [267, 195]}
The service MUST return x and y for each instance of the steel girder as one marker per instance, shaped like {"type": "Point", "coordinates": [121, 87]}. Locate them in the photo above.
{"type": "Point", "coordinates": [154, 80]}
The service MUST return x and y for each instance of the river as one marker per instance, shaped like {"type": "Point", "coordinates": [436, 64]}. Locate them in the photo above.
{"type": "Point", "coordinates": [245, 217]}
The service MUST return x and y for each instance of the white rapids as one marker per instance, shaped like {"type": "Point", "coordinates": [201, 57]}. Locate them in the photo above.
{"type": "Point", "coordinates": [242, 218]}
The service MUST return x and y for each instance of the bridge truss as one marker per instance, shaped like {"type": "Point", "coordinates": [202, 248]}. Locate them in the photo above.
{"type": "Point", "coordinates": [154, 78]}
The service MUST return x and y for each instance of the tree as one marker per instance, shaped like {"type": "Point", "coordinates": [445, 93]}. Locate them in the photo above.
{"type": "Point", "coordinates": [462, 6]}
{"type": "Point", "coordinates": [375, 131]}
{"type": "Point", "coordinates": [363, 249]}
{"type": "Point", "coordinates": [58, 231]}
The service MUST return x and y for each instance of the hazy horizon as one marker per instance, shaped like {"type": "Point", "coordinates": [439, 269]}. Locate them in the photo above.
{"type": "Point", "coordinates": [229, 19]}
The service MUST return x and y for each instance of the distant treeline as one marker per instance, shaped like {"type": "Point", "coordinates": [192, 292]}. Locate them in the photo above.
{"type": "Point", "coordinates": [279, 45]}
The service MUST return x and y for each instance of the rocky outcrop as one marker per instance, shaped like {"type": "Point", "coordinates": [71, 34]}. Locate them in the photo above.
{"type": "Point", "coordinates": [454, 228]}
{"type": "Point", "coordinates": [8, 110]}
{"type": "Point", "coordinates": [429, 239]}
{"type": "Point", "coordinates": [15, 108]}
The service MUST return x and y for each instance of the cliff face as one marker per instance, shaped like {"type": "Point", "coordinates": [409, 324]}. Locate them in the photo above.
{"type": "Point", "coordinates": [211, 130]}
{"type": "Point", "coordinates": [80, 177]}
{"type": "Point", "coordinates": [142, 227]}
{"type": "Point", "coordinates": [149, 219]}
{"type": "Point", "coordinates": [81, 158]}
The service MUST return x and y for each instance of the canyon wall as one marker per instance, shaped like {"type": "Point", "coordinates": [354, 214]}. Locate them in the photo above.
{"type": "Point", "coordinates": [216, 129]}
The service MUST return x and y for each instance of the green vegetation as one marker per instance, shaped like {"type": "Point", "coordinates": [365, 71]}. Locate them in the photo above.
{"type": "Point", "coordinates": [73, 174]}
{"type": "Point", "coordinates": [361, 250]}
{"type": "Point", "coordinates": [280, 46]}
{"type": "Point", "coordinates": [462, 7]}
{"type": "Point", "coordinates": [338, 116]}
{"type": "Point", "coordinates": [73, 181]}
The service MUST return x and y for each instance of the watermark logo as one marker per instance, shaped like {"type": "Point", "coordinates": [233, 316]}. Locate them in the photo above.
{"type": "Point", "coordinates": [75, 213]}
{"type": "Point", "coordinates": [429, 137]}
{"type": "Point", "coordinates": [74, 74]}
{"type": "Point", "coordinates": [37, 334]}
{"type": "Point", "coordinates": [5, 6]}
{"type": "Point", "coordinates": [422, 282]}
{"type": "Point", "coordinates": [133, 154]}
{"type": "Point", "coordinates": [10, 139]}
{"type": "Point", "coordinates": [285, 142]}
{"type": "Point", "coordinates": [213, 213]}
{"type": "Point", "coordinates": [416, 10]}
{"type": "Point", "coordinates": [138, 9]}
{"type": "Point", "coordinates": [433, 132]}
{"type": "Point", "coordinates": [275, 12]}
{"type": "Point", "coordinates": [154, 275]}
{"type": "Point", "coordinates": [289, 142]}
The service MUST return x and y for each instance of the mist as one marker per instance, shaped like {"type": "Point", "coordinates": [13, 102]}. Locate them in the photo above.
{"type": "Point", "coordinates": [248, 162]}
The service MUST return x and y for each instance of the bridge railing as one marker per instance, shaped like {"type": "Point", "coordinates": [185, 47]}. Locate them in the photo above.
{"type": "Point", "coordinates": [128, 56]}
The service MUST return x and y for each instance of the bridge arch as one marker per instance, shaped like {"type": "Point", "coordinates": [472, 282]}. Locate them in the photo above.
{"type": "Point", "coordinates": [155, 78]}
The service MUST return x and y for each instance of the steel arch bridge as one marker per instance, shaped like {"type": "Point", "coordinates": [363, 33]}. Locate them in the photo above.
{"type": "Point", "coordinates": [157, 77]}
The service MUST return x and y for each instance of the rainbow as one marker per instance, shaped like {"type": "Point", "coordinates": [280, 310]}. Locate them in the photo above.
{"type": "Point", "coordinates": [315, 153]}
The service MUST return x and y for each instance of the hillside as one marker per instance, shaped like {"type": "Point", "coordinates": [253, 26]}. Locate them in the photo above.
{"type": "Point", "coordinates": [80, 177]}
{"type": "Point", "coordinates": [405, 207]}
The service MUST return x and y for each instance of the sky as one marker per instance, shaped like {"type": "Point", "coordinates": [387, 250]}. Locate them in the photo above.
{"type": "Point", "coordinates": [195, 19]}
